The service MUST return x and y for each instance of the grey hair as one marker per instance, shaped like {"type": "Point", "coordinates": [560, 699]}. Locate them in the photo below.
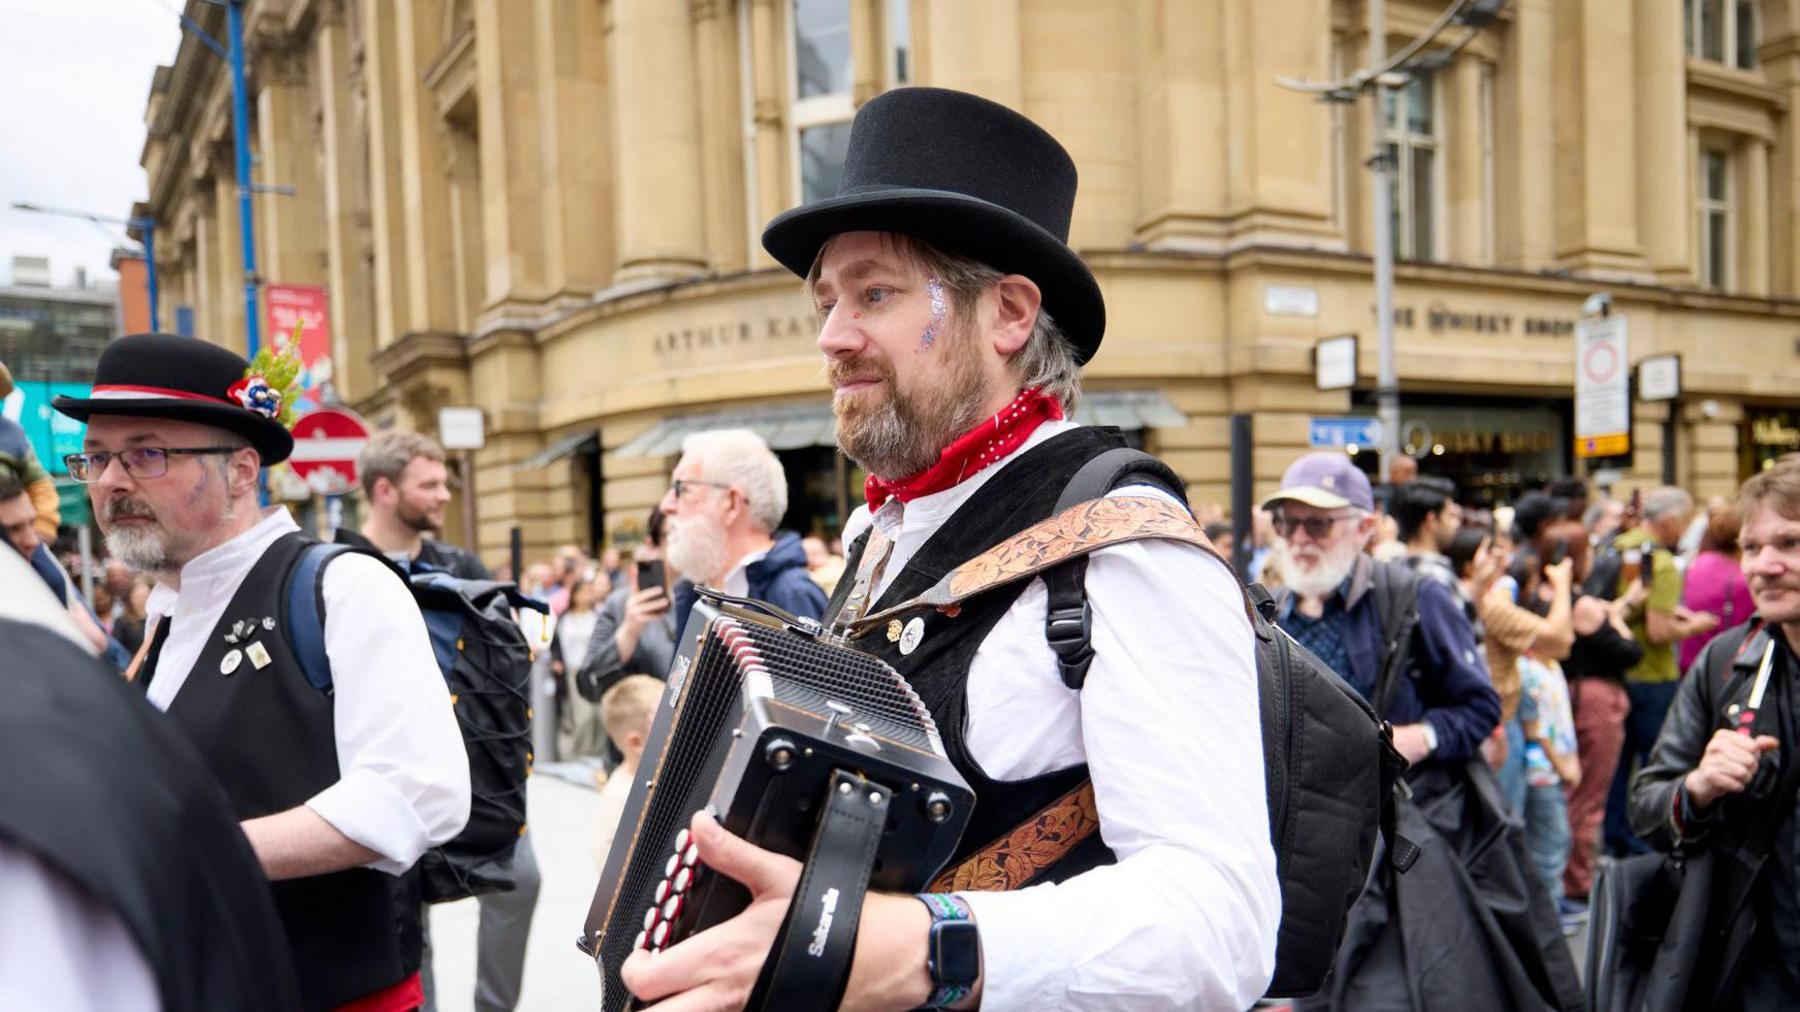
{"type": "Point", "coordinates": [740, 458]}
{"type": "Point", "coordinates": [387, 453]}
{"type": "Point", "coordinates": [1667, 501]}
{"type": "Point", "coordinates": [1047, 360]}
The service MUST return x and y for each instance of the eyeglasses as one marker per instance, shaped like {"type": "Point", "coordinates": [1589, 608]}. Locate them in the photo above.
{"type": "Point", "coordinates": [1316, 527]}
{"type": "Point", "coordinates": [138, 462]}
{"type": "Point", "coordinates": [680, 486]}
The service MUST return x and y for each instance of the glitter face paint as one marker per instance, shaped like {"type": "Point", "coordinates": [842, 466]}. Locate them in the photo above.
{"type": "Point", "coordinates": [939, 307]}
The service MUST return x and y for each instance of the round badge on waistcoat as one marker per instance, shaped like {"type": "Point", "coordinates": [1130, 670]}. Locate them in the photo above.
{"type": "Point", "coordinates": [909, 640]}
{"type": "Point", "coordinates": [230, 662]}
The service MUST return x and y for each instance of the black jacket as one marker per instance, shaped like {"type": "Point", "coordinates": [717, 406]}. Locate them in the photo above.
{"type": "Point", "coordinates": [458, 562]}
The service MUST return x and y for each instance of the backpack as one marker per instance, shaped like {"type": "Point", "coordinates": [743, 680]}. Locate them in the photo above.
{"type": "Point", "coordinates": [1329, 760]}
{"type": "Point", "coordinates": [486, 663]}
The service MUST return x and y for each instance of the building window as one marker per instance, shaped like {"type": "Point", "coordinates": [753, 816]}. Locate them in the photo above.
{"type": "Point", "coordinates": [824, 82]}
{"type": "Point", "coordinates": [1715, 218]}
{"type": "Point", "coordinates": [1723, 31]}
{"type": "Point", "coordinates": [1412, 148]}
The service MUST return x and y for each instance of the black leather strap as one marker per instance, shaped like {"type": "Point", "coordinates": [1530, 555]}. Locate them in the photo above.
{"type": "Point", "coordinates": [809, 964]}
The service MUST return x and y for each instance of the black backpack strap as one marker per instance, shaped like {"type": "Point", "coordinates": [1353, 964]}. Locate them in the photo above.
{"type": "Point", "coordinates": [1396, 591]}
{"type": "Point", "coordinates": [1069, 618]}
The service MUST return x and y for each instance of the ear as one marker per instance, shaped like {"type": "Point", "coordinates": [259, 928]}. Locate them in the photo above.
{"type": "Point", "coordinates": [1017, 301]}
{"type": "Point", "coordinates": [245, 465]}
{"type": "Point", "coordinates": [634, 740]}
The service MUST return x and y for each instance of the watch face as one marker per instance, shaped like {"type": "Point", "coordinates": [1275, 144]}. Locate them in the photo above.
{"type": "Point", "coordinates": [956, 953]}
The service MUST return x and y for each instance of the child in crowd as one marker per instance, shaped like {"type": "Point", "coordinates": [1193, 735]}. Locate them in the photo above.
{"type": "Point", "coordinates": [625, 713]}
{"type": "Point", "coordinates": [1550, 762]}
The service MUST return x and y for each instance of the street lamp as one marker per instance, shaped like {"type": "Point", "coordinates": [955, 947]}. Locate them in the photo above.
{"type": "Point", "coordinates": [145, 225]}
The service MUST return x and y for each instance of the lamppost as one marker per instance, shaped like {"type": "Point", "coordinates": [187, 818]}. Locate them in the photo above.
{"type": "Point", "coordinates": [145, 225]}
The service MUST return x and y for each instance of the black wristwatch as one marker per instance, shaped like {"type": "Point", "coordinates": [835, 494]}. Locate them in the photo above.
{"type": "Point", "coordinates": [953, 954]}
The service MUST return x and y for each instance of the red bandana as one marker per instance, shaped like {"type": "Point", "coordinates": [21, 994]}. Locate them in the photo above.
{"type": "Point", "coordinates": [973, 450]}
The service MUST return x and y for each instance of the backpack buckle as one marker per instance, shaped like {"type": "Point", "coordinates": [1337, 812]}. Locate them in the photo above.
{"type": "Point", "coordinates": [1069, 633]}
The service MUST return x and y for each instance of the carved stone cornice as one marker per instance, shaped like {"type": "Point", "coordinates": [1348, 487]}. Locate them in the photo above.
{"type": "Point", "coordinates": [417, 351]}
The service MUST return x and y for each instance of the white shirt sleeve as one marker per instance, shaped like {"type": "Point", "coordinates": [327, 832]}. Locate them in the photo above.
{"type": "Point", "coordinates": [61, 947]}
{"type": "Point", "coordinates": [1187, 918]}
{"type": "Point", "coordinates": [404, 776]}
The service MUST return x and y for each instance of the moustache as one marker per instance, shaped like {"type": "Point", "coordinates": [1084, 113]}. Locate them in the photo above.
{"type": "Point", "coordinates": [841, 371]}
{"type": "Point", "coordinates": [120, 509]}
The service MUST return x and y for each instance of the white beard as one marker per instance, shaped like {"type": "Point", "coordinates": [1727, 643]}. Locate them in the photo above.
{"type": "Point", "coordinates": [1321, 578]}
{"type": "Point", "coordinates": [141, 549]}
{"type": "Point", "coordinates": [696, 549]}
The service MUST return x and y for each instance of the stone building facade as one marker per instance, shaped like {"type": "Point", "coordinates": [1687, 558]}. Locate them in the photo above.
{"type": "Point", "coordinates": [549, 209]}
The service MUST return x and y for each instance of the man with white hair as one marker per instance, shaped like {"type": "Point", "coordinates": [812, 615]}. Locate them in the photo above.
{"type": "Point", "coordinates": [722, 509]}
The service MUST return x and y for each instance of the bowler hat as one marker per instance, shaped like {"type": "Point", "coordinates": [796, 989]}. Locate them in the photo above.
{"type": "Point", "coordinates": [968, 176]}
{"type": "Point", "coordinates": [166, 376]}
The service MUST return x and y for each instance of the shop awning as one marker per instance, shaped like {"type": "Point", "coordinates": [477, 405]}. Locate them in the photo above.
{"type": "Point", "coordinates": [584, 441]}
{"type": "Point", "coordinates": [792, 426]}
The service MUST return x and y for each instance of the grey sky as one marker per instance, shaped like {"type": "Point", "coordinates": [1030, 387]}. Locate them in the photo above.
{"type": "Point", "coordinates": [74, 76]}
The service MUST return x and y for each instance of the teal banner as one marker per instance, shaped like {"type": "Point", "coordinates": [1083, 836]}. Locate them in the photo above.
{"type": "Point", "coordinates": [52, 434]}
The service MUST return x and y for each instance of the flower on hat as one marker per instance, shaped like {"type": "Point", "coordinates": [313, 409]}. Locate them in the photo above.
{"type": "Point", "coordinates": [271, 386]}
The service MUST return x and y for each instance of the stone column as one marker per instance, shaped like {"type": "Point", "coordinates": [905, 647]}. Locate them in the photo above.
{"type": "Point", "coordinates": [721, 132]}
{"type": "Point", "coordinates": [1596, 142]}
{"type": "Point", "coordinates": [344, 185]}
{"type": "Point", "coordinates": [290, 245]}
{"type": "Point", "coordinates": [772, 165]}
{"type": "Point", "coordinates": [1465, 167]}
{"type": "Point", "coordinates": [1665, 194]}
{"type": "Point", "coordinates": [229, 326]}
{"type": "Point", "coordinates": [971, 47]}
{"type": "Point", "coordinates": [1183, 170]}
{"type": "Point", "coordinates": [1780, 57]}
{"type": "Point", "coordinates": [1280, 188]}
{"type": "Point", "coordinates": [1753, 218]}
{"type": "Point", "coordinates": [658, 202]}
{"type": "Point", "coordinates": [1525, 141]}
{"type": "Point", "coordinates": [575, 124]}
{"type": "Point", "coordinates": [430, 303]}
{"type": "Point", "coordinates": [387, 203]}
{"type": "Point", "coordinates": [467, 234]}
{"type": "Point", "coordinates": [514, 176]}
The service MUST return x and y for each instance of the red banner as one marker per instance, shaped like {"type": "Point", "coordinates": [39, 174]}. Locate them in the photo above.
{"type": "Point", "coordinates": [306, 305]}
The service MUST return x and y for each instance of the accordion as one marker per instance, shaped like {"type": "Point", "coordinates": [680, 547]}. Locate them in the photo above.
{"type": "Point", "coordinates": [801, 745]}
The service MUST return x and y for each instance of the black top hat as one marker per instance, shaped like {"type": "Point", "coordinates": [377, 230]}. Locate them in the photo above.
{"type": "Point", "coordinates": [165, 376]}
{"type": "Point", "coordinates": [964, 174]}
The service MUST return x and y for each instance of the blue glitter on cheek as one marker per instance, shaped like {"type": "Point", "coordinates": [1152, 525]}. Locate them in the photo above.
{"type": "Point", "coordinates": [939, 307]}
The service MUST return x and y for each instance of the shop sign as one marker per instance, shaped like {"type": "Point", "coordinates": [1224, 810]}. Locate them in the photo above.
{"type": "Point", "coordinates": [303, 310]}
{"type": "Point", "coordinates": [1443, 318]}
{"type": "Point", "coordinates": [1334, 362]}
{"type": "Point", "coordinates": [1773, 431]}
{"type": "Point", "coordinates": [1659, 378]}
{"type": "Point", "coordinates": [52, 433]}
{"type": "Point", "coordinates": [793, 330]}
{"type": "Point", "coordinates": [1291, 300]}
{"type": "Point", "coordinates": [1602, 388]}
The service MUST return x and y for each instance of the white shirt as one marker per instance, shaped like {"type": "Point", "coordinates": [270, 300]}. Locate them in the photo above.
{"type": "Point", "coordinates": [61, 947]}
{"type": "Point", "coordinates": [1168, 723]}
{"type": "Point", "coordinates": [737, 582]}
{"type": "Point", "coordinates": [573, 631]}
{"type": "Point", "coordinates": [404, 775]}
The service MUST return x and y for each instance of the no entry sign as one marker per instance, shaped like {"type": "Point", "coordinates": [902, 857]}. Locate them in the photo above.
{"type": "Point", "coordinates": [326, 445]}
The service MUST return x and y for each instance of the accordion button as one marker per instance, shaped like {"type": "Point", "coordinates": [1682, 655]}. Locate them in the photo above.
{"type": "Point", "coordinates": [672, 909]}
{"type": "Point", "coordinates": [682, 840]}
{"type": "Point", "coordinates": [683, 879]}
{"type": "Point", "coordinates": [674, 863]}
{"type": "Point", "coordinates": [638, 942]}
{"type": "Point", "coordinates": [650, 917]}
{"type": "Point", "coordinates": [690, 856]}
{"type": "Point", "coordinates": [659, 936]}
{"type": "Point", "coordinates": [664, 890]}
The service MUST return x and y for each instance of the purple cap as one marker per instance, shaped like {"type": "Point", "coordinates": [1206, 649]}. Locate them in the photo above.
{"type": "Point", "coordinates": [1327, 480]}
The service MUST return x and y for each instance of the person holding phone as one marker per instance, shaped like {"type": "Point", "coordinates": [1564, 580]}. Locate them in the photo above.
{"type": "Point", "coordinates": [634, 633]}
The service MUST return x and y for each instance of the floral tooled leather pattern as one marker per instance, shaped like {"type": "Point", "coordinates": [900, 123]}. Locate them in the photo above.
{"type": "Point", "coordinates": [1098, 521]}
{"type": "Point", "coordinates": [1021, 855]}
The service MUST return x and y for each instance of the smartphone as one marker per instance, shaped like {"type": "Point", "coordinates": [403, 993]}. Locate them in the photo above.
{"type": "Point", "coordinates": [1559, 550]}
{"type": "Point", "coordinates": [650, 573]}
{"type": "Point", "coordinates": [1631, 565]}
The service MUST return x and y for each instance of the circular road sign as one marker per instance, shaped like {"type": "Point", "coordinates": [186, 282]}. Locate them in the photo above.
{"type": "Point", "coordinates": [326, 445]}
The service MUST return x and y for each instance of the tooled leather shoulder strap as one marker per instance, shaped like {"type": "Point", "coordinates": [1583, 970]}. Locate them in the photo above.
{"type": "Point", "coordinates": [1079, 530]}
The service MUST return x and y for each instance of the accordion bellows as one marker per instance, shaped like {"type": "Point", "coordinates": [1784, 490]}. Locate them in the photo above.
{"type": "Point", "coordinates": [756, 717]}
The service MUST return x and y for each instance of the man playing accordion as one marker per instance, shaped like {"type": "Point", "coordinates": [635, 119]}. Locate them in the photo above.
{"type": "Point", "coordinates": [954, 319]}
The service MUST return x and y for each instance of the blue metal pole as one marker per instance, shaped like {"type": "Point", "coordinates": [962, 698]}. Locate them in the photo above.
{"type": "Point", "coordinates": [148, 227]}
{"type": "Point", "coordinates": [240, 129]}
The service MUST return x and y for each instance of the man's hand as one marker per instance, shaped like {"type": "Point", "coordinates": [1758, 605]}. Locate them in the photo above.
{"type": "Point", "coordinates": [1487, 572]}
{"type": "Point", "coordinates": [1494, 748]}
{"type": "Point", "coordinates": [641, 608]}
{"type": "Point", "coordinates": [1726, 767]}
{"type": "Point", "coordinates": [1410, 741]}
{"type": "Point", "coordinates": [717, 968]}
{"type": "Point", "coordinates": [1695, 623]}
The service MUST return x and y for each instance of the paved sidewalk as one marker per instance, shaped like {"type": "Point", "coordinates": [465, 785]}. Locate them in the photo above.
{"type": "Point", "coordinates": [557, 976]}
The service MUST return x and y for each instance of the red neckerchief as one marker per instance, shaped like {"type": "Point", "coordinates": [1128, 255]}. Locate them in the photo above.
{"type": "Point", "coordinates": [973, 450]}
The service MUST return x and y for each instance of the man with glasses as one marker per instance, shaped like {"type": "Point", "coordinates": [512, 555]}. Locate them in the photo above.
{"type": "Point", "coordinates": [340, 793]}
{"type": "Point", "coordinates": [1324, 516]}
{"type": "Point", "coordinates": [721, 513]}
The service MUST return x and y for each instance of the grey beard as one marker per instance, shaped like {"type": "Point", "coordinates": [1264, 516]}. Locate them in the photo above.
{"type": "Point", "coordinates": [141, 550]}
{"type": "Point", "coordinates": [1316, 582]}
{"type": "Point", "coordinates": [697, 552]}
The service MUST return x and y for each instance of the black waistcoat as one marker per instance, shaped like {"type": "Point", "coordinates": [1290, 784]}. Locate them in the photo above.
{"type": "Point", "coordinates": [268, 736]}
{"type": "Point", "coordinates": [103, 788]}
{"type": "Point", "coordinates": [1023, 493]}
